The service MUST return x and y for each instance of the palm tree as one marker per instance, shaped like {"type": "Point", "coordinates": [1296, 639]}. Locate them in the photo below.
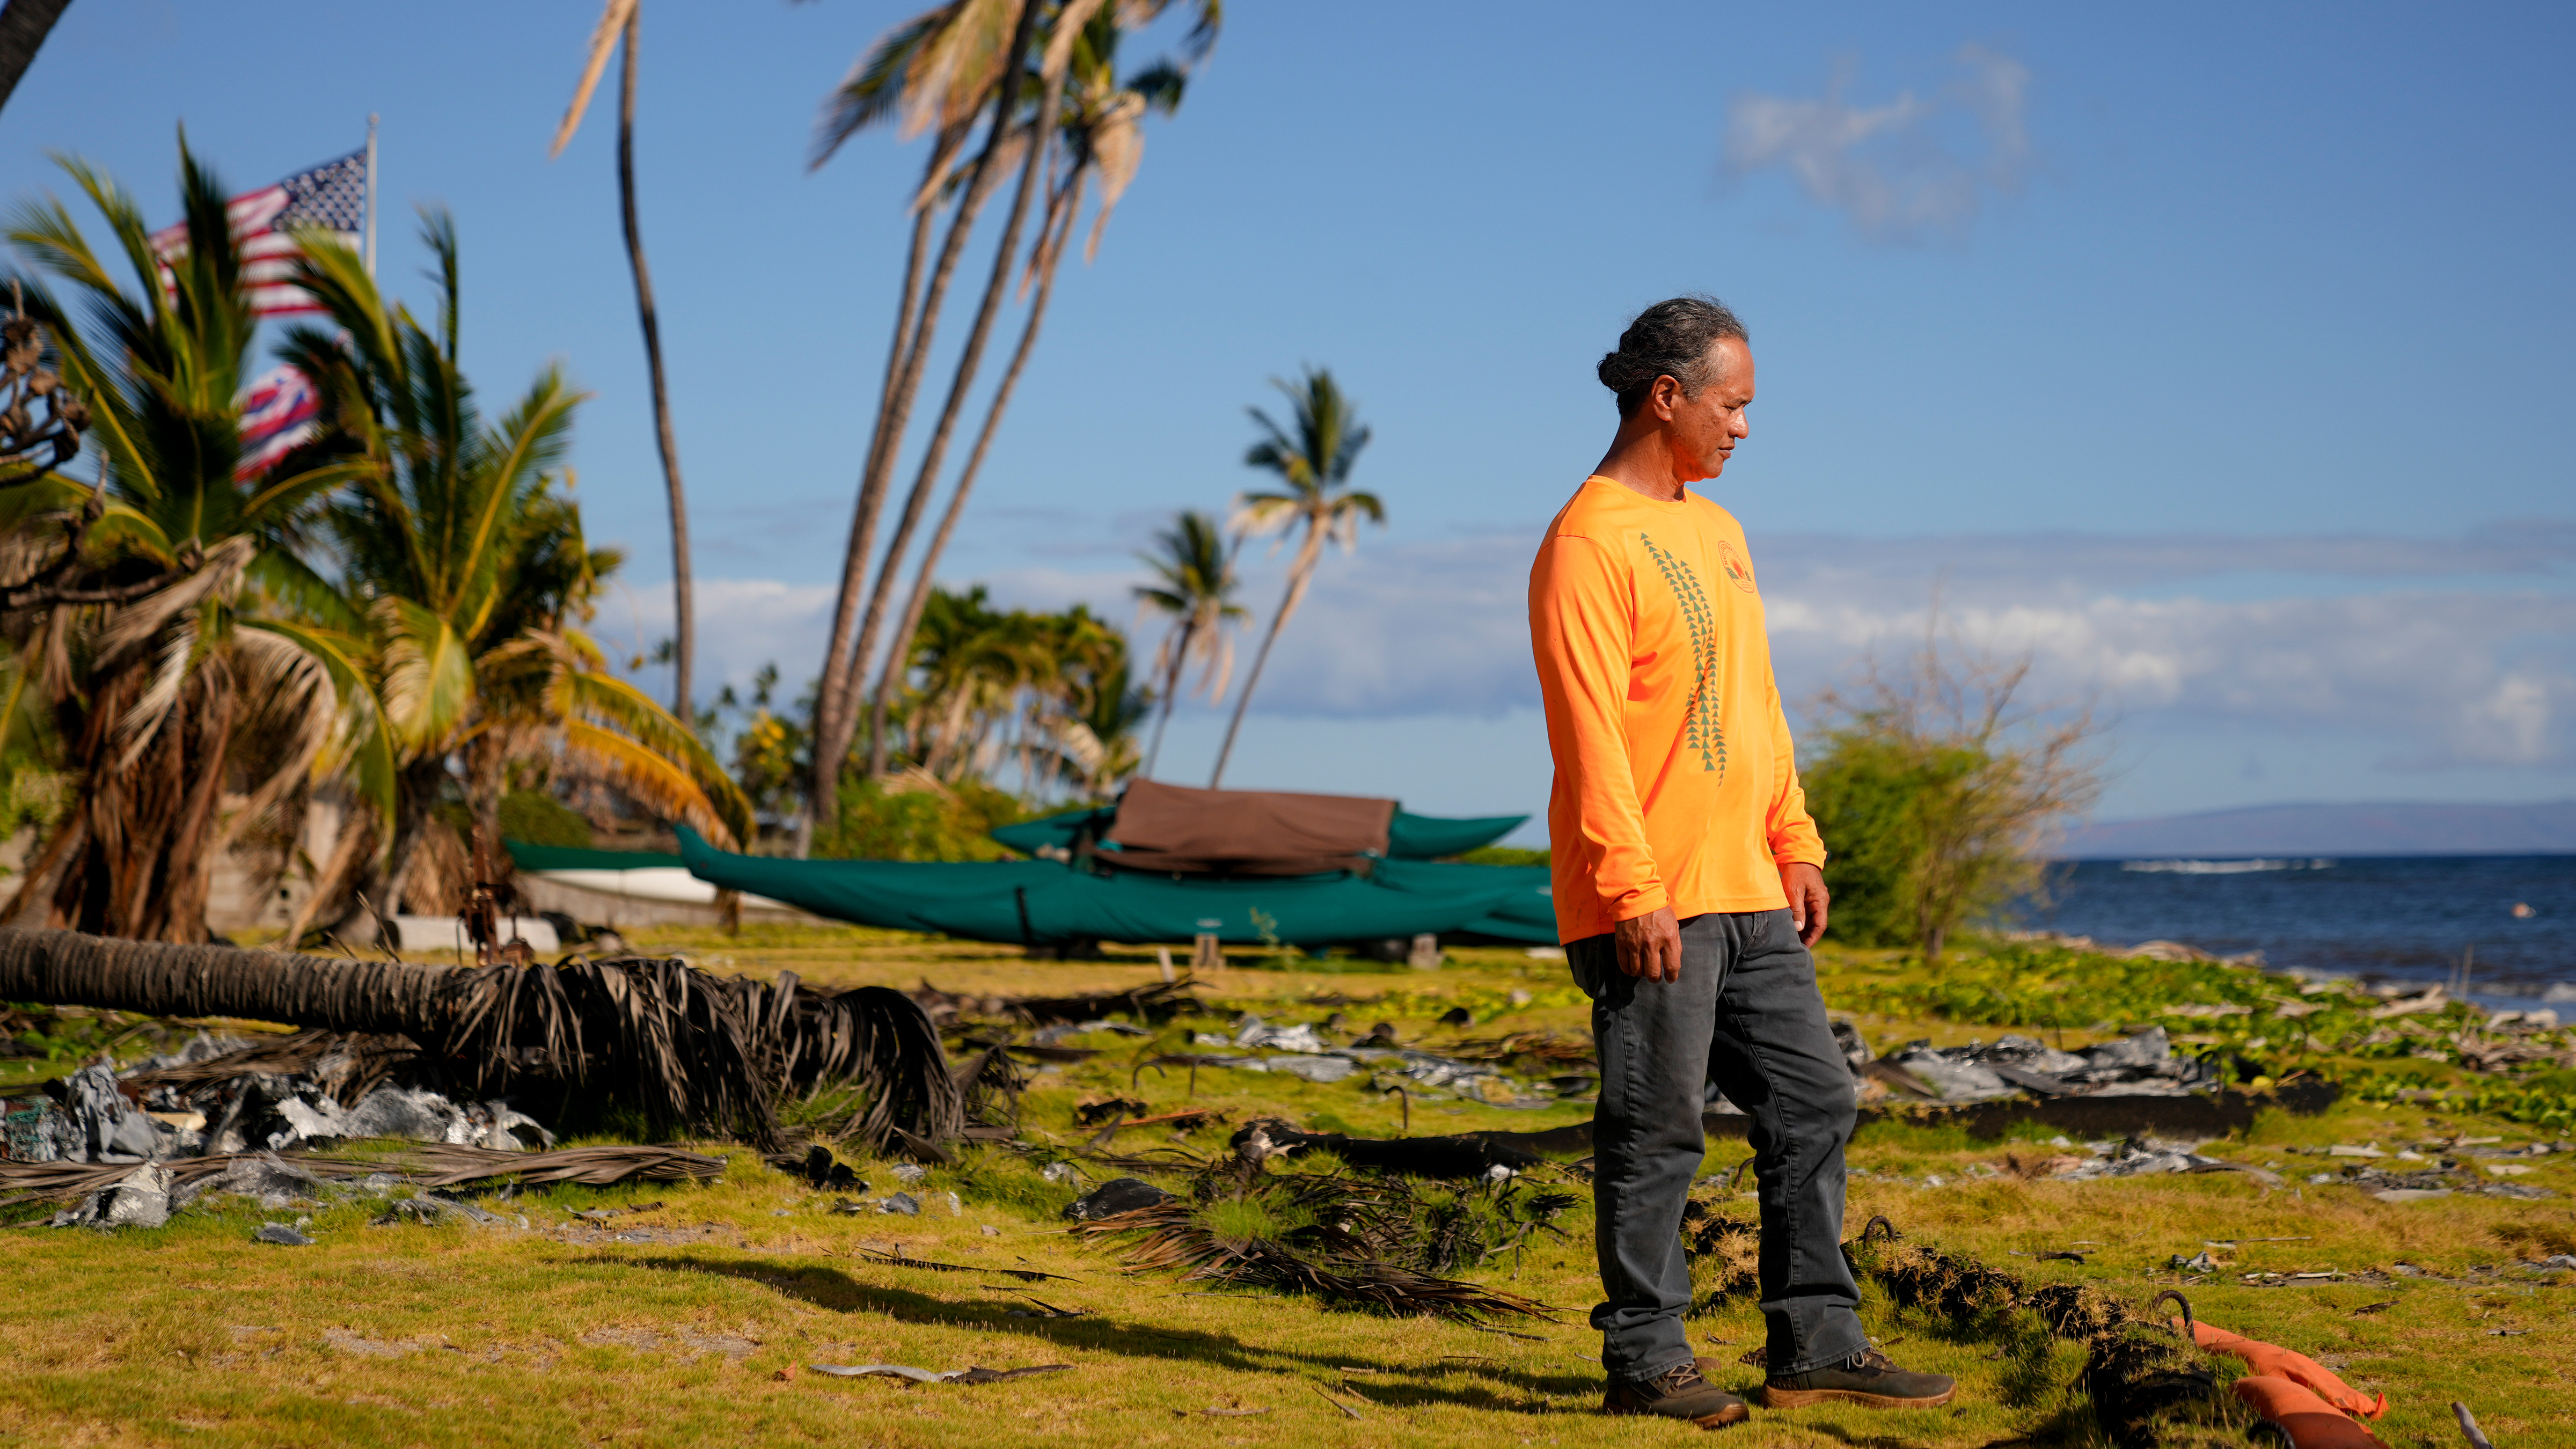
{"type": "Point", "coordinates": [1315, 462]}
{"type": "Point", "coordinates": [625, 18]}
{"type": "Point", "coordinates": [24, 24]}
{"type": "Point", "coordinates": [149, 607]}
{"type": "Point", "coordinates": [1100, 128]}
{"type": "Point", "coordinates": [944, 64]}
{"type": "Point", "coordinates": [472, 557]}
{"type": "Point", "coordinates": [1194, 569]}
{"type": "Point", "coordinates": [941, 63]}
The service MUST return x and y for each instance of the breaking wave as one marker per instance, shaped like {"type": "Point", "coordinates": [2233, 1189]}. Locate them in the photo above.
{"type": "Point", "coordinates": [2222, 867]}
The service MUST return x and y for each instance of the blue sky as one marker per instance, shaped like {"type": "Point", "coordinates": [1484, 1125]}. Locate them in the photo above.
{"type": "Point", "coordinates": [2217, 355]}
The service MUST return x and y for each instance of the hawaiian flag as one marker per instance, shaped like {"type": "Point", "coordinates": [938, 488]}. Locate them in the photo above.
{"type": "Point", "coordinates": [331, 196]}
{"type": "Point", "coordinates": [277, 413]}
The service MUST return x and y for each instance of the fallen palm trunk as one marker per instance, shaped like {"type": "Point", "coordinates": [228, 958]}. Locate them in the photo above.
{"type": "Point", "coordinates": [692, 1050]}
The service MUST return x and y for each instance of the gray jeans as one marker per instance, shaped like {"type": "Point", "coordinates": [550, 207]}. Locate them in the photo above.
{"type": "Point", "coordinates": [1746, 1017]}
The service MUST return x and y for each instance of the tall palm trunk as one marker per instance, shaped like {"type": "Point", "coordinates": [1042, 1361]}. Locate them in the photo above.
{"type": "Point", "coordinates": [835, 710]}
{"type": "Point", "coordinates": [24, 24]}
{"type": "Point", "coordinates": [416, 798]}
{"type": "Point", "coordinates": [1005, 259]}
{"type": "Point", "coordinates": [1300, 573]}
{"type": "Point", "coordinates": [924, 213]}
{"type": "Point", "coordinates": [1171, 691]}
{"type": "Point", "coordinates": [683, 611]}
{"type": "Point", "coordinates": [1051, 239]}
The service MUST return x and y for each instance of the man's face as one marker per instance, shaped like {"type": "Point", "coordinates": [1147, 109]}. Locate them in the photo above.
{"type": "Point", "coordinates": [1705, 428]}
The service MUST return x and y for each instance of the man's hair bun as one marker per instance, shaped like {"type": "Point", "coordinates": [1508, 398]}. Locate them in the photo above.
{"type": "Point", "coordinates": [1669, 339]}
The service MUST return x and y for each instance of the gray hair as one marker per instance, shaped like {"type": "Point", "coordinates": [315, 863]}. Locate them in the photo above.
{"type": "Point", "coordinates": [1669, 339]}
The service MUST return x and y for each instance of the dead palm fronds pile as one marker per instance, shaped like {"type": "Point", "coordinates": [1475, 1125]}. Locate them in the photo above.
{"type": "Point", "coordinates": [1157, 1002]}
{"type": "Point", "coordinates": [448, 1164]}
{"type": "Point", "coordinates": [688, 1049]}
{"type": "Point", "coordinates": [1724, 1253]}
{"type": "Point", "coordinates": [1533, 1050]}
{"type": "Point", "coordinates": [347, 1065]}
{"type": "Point", "coordinates": [1376, 1244]}
{"type": "Point", "coordinates": [1464, 1155]}
{"type": "Point", "coordinates": [2149, 1385]}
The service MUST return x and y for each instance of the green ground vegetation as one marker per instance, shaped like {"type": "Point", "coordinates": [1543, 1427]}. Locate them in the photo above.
{"type": "Point", "coordinates": [692, 1319]}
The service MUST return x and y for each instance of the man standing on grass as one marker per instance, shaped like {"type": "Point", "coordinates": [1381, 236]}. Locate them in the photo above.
{"type": "Point", "coordinates": [1689, 884]}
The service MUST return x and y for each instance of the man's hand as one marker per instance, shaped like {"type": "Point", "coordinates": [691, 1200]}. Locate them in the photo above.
{"type": "Point", "coordinates": [1650, 946]}
{"type": "Point", "coordinates": [1805, 886]}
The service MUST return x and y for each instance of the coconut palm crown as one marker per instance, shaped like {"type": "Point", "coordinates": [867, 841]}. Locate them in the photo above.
{"type": "Point", "coordinates": [1313, 455]}
{"type": "Point", "coordinates": [1194, 584]}
{"type": "Point", "coordinates": [460, 538]}
{"type": "Point", "coordinates": [164, 608]}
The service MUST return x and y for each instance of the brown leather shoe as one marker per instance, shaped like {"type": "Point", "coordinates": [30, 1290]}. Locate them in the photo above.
{"type": "Point", "coordinates": [1679, 1394]}
{"type": "Point", "coordinates": [1867, 1378]}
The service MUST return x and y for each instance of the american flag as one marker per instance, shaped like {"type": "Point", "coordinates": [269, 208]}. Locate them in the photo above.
{"type": "Point", "coordinates": [332, 196]}
{"type": "Point", "coordinates": [277, 412]}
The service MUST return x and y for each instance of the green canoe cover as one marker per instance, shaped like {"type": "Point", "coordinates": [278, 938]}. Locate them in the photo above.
{"type": "Point", "coordinates": [1030, 901]}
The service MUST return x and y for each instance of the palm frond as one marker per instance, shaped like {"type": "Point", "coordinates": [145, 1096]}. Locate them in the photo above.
{"type": "Point", "coordinates": [874, 89]}
{"type": "Point", "coordinates": [603, 43]}
{"type": "Point", "coordinates": [602, 702]}
{"type": "Point", "coordinates": [429, 688]}
{"type": "Point", "coordinates": [364, 747]}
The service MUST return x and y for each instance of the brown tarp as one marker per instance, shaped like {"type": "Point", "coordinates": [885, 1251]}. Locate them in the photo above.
{"type": "Point", "coordinates": [1246, 832]}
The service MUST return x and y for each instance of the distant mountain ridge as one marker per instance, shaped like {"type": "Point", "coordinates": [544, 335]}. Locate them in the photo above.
{"type": "Point", "coordinates": [2397, 828]}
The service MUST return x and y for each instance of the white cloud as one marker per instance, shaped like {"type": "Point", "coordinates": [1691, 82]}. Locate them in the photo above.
{"type": "Point", "coordinates": [1898, 170]}
{"type": "Point", "coordinates": [2445, 652]}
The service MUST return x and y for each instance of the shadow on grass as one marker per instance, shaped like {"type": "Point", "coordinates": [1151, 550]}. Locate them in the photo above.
{"type": "Point", "coordinates": [1389, 1382]}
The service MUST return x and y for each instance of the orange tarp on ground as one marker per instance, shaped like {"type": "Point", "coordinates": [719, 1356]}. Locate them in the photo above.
{"type": "Point", "coordinates": [2309, 1421]}
{"type": "Point", "coordinates": [2298, 1368]}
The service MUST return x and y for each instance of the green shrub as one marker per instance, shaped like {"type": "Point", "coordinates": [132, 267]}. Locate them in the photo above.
{"type": "Point", "coordinates": [541, 819]}
{"type": "Point", "coordinates": [1869, 796]}
{"type": "Point", "coordinates": [944, 824]}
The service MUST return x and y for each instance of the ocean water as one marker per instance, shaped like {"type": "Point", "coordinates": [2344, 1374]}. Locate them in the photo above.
{"type": "Point", "coordinates": [2399, 918]}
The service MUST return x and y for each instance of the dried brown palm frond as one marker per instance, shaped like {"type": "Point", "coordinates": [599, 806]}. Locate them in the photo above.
{"type": "Point", "coordinates": [348, 1065]}
{"type": "Point", "coordinates": [431, 1165]}
{"type": "Point", "coordinates": [1159, 1001]}
{"type": "Point", "coordinates": [448, 1164]}
{"type": "Point", "coordinates": [1545, 1048]}
{"type": "Point", "coordinates": [691, 1050]}
{"type": "Point", "coordinates": [56, 1181]}
{"type": "Point", "coordinates": [898, 1260]}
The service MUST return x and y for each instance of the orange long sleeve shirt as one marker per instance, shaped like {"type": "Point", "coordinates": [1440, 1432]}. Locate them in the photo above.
{"type": "Point", "coordinates": [1676, 780]}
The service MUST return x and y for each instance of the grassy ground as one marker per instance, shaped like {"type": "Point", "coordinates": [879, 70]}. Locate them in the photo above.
{"type": "Point", "coordinates": [693, 1321]}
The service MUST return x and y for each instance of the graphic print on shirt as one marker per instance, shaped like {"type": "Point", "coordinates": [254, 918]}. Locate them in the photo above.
{"type": "Point", "coordinates": [1737, 571]}
{"type": "Point", "coordinates": [1700, 727]}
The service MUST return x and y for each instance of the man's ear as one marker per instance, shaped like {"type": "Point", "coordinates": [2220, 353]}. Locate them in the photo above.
{"type": "Point", "coordinates": [1663, 395]}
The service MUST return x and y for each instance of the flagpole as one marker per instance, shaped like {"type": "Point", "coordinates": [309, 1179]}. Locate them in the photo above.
{"type": "Point", "coordinates": [371, 196]}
